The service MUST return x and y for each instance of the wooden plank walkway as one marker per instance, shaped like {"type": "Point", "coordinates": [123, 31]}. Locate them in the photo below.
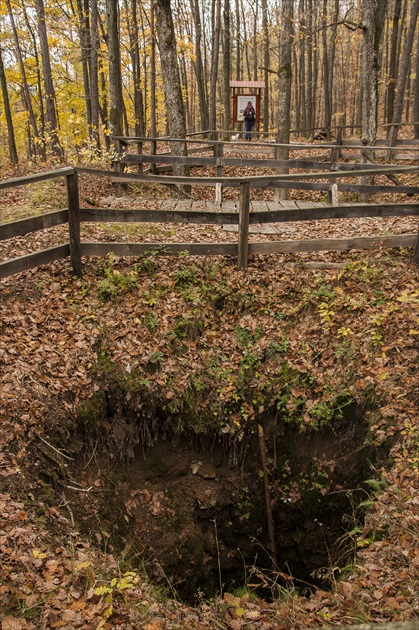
{"type": "Point", "coordinates": [208, 205]}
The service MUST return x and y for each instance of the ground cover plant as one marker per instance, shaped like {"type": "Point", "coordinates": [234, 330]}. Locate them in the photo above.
{"type": "Point", "coordinates": [216, 350]}
{"type": "Point", "coordinates": [146, 384]}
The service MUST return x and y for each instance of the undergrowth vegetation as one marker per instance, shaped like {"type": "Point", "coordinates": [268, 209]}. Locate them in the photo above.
{"type": "Point", "coordinates": [135, 351]}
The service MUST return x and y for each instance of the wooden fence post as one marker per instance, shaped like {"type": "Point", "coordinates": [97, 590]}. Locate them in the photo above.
{"type": "Point", "coordinates": [117, 166]}
{"type": "Point", "coordinates": [333, 192]}
{"type": "Point", "coordinates": [153, 151]}
{"type": "Point", "coordinates": [219, 155]}
{"type": "Point", "coordinates": [140, 152]}
{"type": "Point", "coordinates": [416, 252]}
{"type": "Point", "coordinates": [244, 208]}
{"type": "Point", "coordinates": [74, 222]}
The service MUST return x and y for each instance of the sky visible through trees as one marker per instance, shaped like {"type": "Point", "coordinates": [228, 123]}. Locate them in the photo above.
{"type": "Point", "coordinates": [74, 72]}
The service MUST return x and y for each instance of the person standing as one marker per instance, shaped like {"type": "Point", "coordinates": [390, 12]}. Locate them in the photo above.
{"type": "Point", "coordinates": [249, 115]}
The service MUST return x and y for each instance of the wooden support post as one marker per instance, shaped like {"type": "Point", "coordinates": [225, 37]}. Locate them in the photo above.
{"type": "Point", "coordinates": [74, 222]}
{"type": "Point", "coordinates": [333, 192]}
{"type": "Point", "coordinates": [416, 252]}
{"type": "Point", "coordinates": [244, 208]}
{"type": "Point", "coordinates": [153, 151]}
{"type": "Point", "coordinates": [140, 152]}
{"type": "Point", "coordinates": [219, 156]}
{"type": "Point", "coordinates": [117, 166]}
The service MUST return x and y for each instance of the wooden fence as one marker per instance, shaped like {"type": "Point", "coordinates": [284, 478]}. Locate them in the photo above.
{"type": "Point", "coordinates": [74, 215]}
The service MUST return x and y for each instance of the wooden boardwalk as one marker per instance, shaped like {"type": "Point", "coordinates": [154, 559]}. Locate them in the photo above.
{"type": "Point", "coordinates": [207, 205]}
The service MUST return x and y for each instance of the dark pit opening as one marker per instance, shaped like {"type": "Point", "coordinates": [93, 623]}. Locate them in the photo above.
{"type": "Point", "coordinates": [193, 511]}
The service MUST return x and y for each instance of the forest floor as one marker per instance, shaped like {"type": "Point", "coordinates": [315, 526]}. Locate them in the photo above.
{"type": "Point", "coordinates": [97, 370]}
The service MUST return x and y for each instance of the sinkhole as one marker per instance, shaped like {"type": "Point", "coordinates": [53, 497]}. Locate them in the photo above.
{"type": "Point", "coordinates": [192, 510]}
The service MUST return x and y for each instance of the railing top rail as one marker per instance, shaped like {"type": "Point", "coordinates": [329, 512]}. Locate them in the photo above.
{"type": "Point", "coordinates": [37, 177]}
{"type": "Point", "coordinates": [293, 145]}
{"type": "Point", "coordinates": [236, 181]}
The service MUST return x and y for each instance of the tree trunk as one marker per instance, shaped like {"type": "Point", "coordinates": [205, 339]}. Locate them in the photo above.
{"type": "Point", "coordinates": [266, 61]}
{"type": "Point", "coordinates": [25, 87]}
{"type": "Point", "coordinates": [416, 101]}
{"type": "Point", "coordinates": [214, 67]}
{"type": "Point", "coordinates": [373, 14]}
{"type": "Point", "coordinates": [238, 41]}
{"type": "Point", "coordinates": [116, 104]}
{"type": "Point", "coordinates": [227, 65]}
{"type": "Point", "coordinates": [199, 66]}
{"type": "Point", "coordinates": [171, 80]}
{"type": "Point", "coordinates": [48, 83]}
{"type": "Point", "coordinates": [285, 84]}
{"type": "Point", "coordinates": [302, 123]}
{"type": "Point", "coordinates": [85, 44]}
{"type": "Point", "coordinates": [134, 51]}
{"type": "Point", "coordinates": [42, 147]}
{"type": "Point", "coordinates": [310, 104]}
{"type": "Point", "coordinates": [326, 87]}
{"type": "Point", "coordinates": [94, 73]}
{"type": "Point", "coordinates": [153, 115]}
{"type": "Point", "coordinates": [391, 78]}
{"type": "Point", "coordinates": [402, 73]}
{"type": "Point", "coordinates": [8, 114]}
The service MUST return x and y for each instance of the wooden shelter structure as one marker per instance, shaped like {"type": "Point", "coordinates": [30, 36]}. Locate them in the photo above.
{"type": "Point", "coordinates": [243, 92]}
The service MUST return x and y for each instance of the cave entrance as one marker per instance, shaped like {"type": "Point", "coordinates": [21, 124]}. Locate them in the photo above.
{"type": "Point", "coordinates": [193, 511]}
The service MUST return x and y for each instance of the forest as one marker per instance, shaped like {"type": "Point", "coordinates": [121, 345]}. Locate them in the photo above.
{"type": "Point", "coordinates": [74, 73]}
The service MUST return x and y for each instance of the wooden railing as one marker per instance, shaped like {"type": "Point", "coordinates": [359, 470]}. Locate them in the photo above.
{"type": "Point", "coordinates": [74, 215]}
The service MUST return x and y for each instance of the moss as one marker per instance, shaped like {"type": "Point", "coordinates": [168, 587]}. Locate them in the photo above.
{"type": "Point", "coordinates": [92, 411]}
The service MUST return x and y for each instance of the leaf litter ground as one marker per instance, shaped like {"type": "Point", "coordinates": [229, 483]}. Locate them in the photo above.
{"type": "Point", "coordinates": [353, 329]}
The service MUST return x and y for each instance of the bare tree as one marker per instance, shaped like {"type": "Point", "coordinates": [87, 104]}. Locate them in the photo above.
{"type": "Point", "coordinates": [402, 74]}
{"type": "Point", "coordinates": [285, 83]}
{"type": "Point", "coordinates": [116, 103]}
{"type": "Point", "coordinates": [171, 79]}
{"type": "Point", "coordinates": [214, 66]}
{"type": "Point", "coordinates": [94, 73]}
{"type": "Point", "coordinates": [199, 66]}
{"type": "Point", "coordinates": [25, 86]}
{"type": "Point", "coordinates": [49, 90]}
{"type": "Point", "coordinates": [7, 112]}
{"type": "Point", "coordinates": [416, 100]}
{"type": "Point", "coordinates": [373, 15]}
{"type": "Point", "coordinates": [227, 64]}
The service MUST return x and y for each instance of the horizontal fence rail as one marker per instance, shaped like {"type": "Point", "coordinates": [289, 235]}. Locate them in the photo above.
{"type": "Point", "coordinates": [239, 215]}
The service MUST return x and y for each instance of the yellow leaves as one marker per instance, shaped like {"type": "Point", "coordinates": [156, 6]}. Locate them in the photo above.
{"type": "Point", "coordinates": [79, 566]}
{"type": "Point", "coordinates": [38, 554]}
{"type": "Point", "coordinates": [102, 590]}
{"type": "Point", "coordinates": [344, 332]}
{"type": "Point", "coordinates": [411, 297]}
{"type": "Point", "coordinates": [326, 313]}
